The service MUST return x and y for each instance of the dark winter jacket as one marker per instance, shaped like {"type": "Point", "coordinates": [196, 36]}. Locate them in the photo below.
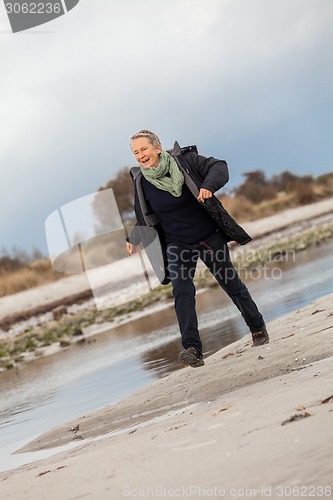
{"type": "Point", "coordinates": [199, 172]}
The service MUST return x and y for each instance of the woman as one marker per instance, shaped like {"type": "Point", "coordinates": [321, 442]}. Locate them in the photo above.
{"type": "Point", "coordinates": [174, 193]}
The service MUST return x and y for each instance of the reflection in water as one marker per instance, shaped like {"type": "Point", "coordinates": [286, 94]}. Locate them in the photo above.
{"type": "Point", "coordinates": [99, 373]}
{"type": "Point", "coordinates": [164, 358]}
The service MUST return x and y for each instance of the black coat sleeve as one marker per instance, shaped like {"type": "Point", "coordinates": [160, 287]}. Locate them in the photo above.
{"type": "Point", "coordinates": [214, 172]}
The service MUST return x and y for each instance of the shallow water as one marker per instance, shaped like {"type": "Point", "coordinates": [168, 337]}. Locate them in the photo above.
{"type": "Point", "coordinates": [92, 375]}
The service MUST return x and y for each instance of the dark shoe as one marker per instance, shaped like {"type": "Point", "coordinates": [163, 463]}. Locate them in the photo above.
{"type": "Point", "coordinates": [260, 338]}
{"type": "Point", "coordinates": [192, 357]}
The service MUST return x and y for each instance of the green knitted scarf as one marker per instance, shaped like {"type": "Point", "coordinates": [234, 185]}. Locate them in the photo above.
{"type": "Point", "coordinates": [159, 178]}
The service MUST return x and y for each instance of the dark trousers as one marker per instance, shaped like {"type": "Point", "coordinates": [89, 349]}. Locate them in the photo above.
{"type": "Point", "coordinates": [214, 252]}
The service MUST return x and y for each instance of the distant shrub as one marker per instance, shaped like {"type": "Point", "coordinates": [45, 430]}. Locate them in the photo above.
{"type": "Point", "coordinates": [239, 207]}
{"type": "Point", "coordinates": [256, 188]}
{"type": "Point", "coordinates": [325, 179]}
{"type": "Point", "coordinates": [304, 193]}
{"type": "Point", "coordinates": [9, 264]}
{"type": "Point", "coordinates": [41, 265]}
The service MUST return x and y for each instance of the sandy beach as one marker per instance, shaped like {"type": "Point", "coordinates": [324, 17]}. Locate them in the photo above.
{"type": "Point", "coordinates": [253, 422]}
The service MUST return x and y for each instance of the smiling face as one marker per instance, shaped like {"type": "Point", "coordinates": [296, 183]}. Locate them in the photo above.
{"type": "Point", "coordinates": [145, 153]}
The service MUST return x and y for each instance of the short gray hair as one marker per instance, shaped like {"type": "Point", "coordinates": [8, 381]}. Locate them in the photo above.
{"type": "Point", "coordinates": [152, 138]}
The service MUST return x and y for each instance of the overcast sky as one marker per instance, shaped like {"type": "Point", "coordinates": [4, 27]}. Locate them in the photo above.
{"type": "Point", "coordinates": [249, 81]}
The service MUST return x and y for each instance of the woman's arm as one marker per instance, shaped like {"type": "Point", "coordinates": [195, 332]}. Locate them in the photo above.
{"type": "Point", "coordinates": [214, 172]}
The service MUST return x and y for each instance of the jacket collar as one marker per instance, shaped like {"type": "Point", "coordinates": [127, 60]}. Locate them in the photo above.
{"type": "Point", "coordinates": [176, 150]}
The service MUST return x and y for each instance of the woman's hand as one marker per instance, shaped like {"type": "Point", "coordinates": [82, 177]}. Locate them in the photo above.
{"type": "Point", "coordinates": [204, 195]}
{"type": "Point", "coordinates": [132, 249]}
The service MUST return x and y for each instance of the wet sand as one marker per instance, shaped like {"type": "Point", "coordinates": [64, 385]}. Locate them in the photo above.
{"type": "Point", "coordinates": [252, 422]}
